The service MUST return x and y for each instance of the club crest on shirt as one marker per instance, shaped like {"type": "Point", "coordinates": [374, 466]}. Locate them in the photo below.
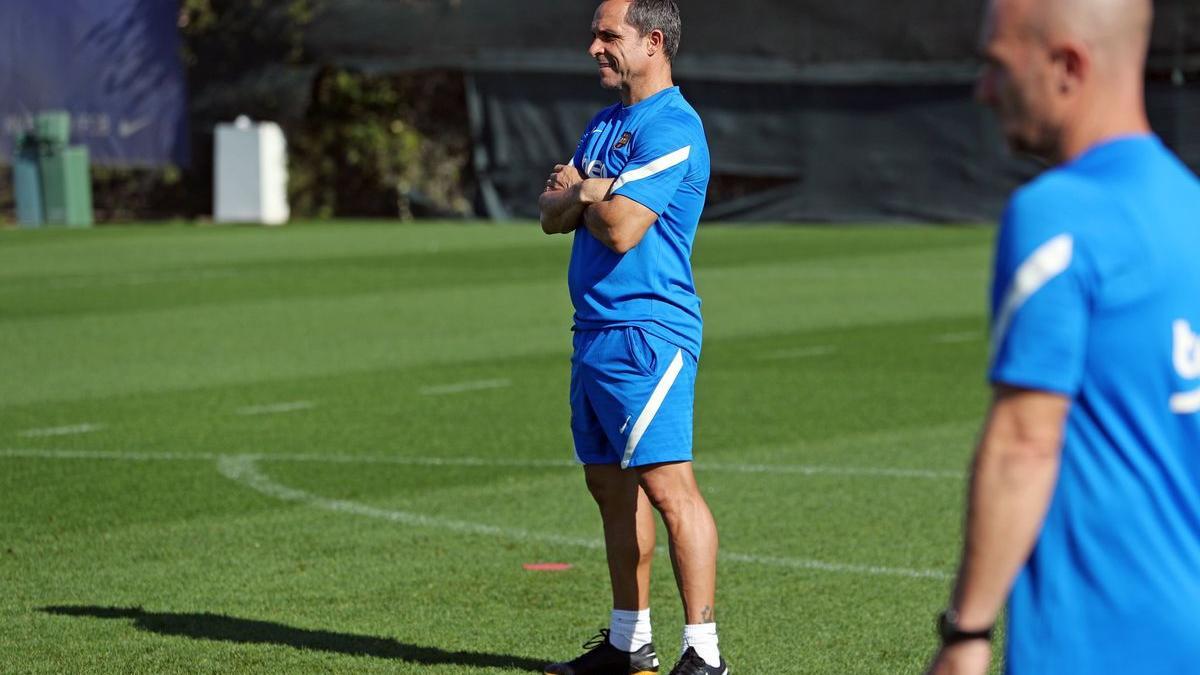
{"type": "Point", "coordinates": [623, 140]}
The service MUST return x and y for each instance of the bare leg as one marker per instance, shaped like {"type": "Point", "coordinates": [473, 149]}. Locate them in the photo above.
{"type": "Point", "coordinates": [628, 533]}
{"type": "Point", "coordinates": [672, 490]}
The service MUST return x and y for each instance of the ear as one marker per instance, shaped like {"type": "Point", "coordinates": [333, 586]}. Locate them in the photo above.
{"type": "Point", "coordinates": [1073, 66]}
{"type": "Point", "coordinates": [654, 42]}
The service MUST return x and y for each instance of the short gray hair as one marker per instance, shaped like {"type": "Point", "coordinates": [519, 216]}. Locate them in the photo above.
{"type": "Point", "coordinates": [650, 15]}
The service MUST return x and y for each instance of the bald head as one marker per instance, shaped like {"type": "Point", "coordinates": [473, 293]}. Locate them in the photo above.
{"type": "Point", "coordinates": [1116, 32]}
{"type": "Point", "coordinates": [1066, 74]}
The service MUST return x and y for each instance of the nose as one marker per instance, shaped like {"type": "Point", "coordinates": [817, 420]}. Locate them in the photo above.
{"type": "Point", "coordinates": [596, 48]}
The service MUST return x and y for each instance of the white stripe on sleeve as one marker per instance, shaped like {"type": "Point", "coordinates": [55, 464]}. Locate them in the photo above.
{"type": "Point", "coordinates": [1047, 262]}
{"type": "Point", "coordinates": [661, 164]}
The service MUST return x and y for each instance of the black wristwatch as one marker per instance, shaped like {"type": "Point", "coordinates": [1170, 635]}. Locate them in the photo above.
{"type": "Point", "coordinates": [951, 634]}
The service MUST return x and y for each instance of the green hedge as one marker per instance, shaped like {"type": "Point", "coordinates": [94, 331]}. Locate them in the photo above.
{"type": "Point", "coordinates": [360, 144]}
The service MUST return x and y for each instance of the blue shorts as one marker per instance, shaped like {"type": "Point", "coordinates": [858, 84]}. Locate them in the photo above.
{"type": "Point", "coordinates": [631, 398]}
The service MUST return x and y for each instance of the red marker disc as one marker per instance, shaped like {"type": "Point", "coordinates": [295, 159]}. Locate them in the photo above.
{"type": "Point", "coordinates": [547, 567]}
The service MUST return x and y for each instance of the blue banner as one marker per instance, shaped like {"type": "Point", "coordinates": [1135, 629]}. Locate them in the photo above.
{"type": "Point", "coordinates": [113, 64]}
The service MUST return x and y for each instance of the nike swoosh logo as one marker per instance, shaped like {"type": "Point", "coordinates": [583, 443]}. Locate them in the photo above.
{"type": "Point", "coordinates": [127, 129]}
{"type": "Point", "coordinates": [623, 426]}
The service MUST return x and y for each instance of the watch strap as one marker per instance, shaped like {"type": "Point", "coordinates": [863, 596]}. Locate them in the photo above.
{"type": "Point", "coordinates": [950, 632]}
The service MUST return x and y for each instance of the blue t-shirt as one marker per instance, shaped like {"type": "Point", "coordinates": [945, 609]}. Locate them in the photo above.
{"type": "Point", "coordinates": [658, 154]}
{"type": "Point", "coordinates": [1097, 297]}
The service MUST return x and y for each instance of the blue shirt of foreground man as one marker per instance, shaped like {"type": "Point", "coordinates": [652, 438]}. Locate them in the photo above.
{"type": "Point", "coordinates": [632, 195]}
{"type": "Point", "coordinates": [1084, 503]}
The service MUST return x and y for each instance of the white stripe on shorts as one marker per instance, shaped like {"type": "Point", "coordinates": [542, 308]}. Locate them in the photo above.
{"type": "Point", "coordinates": [652, 406]}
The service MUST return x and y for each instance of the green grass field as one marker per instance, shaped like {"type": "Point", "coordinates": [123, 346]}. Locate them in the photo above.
{"type": "Point", "coordinates": [331, 448]}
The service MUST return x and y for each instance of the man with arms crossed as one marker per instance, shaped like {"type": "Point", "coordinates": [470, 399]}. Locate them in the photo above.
{"type": "Point", "coordinates": [632, 196]}
{"type": "Point", "coordinates": [1084, 502]}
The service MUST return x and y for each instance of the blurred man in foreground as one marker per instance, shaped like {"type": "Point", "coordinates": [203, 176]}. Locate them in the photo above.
{"type": "Point", "coordinates": [632, 196]}
{"type": "Point", "coordinates": [1084, 503]}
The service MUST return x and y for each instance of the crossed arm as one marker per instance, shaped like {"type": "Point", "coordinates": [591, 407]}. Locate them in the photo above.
{"type": "Point", "coordinates": [1012, 482]}
{"type": "Point", "coordinates": [569, 200]}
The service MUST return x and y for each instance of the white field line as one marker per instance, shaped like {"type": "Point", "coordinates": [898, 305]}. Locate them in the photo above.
{"type": "Point", "coordinates": [32, 453]}
{"type": "Point", "coordinates": [276, 408]}
{"type": "Point", "coordinates": [420, 461]}
{"type": "Point", "coordinates": [21, 453]}
{"type": "Point", "coordinates": [798, 353]}
{"type": "Point", "coordinates": [791, 469]}
{"type": "Point", "coordinates": [139, 279]}
{"type": "Point", "coordinates": [461, 387]}
{"type": "Point", "coordinates": [243, 469]}
{"type": "Point", "coordinates": [69, 430]}
{"type": "Point", "coordinates": [816, 470]}
{"type": "Point", "coordinates": [824, 566]}
{"type": "Point", "coordinates": [965, 336]}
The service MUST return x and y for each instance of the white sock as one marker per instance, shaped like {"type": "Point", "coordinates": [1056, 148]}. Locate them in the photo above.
{"type": "Point", "coordinates": [703, 638]}
{"type": "Point", "coordinates": [629, 631]}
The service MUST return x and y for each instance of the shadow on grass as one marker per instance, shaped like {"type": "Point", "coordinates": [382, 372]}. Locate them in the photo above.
{"type": "Point", "coordinates": [248, 631]}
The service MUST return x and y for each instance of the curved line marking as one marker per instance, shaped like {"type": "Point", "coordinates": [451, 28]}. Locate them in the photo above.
{"type": "Point", "coordinates": [244, 469]}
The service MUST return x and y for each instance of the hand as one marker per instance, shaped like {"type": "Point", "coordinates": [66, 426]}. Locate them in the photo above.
{"type": "Point", "coordinates": [965, 658]}
{"type": "Point", "coordinates": [594, 190]}
{"type": "Point", "coordinates": [563, 177]}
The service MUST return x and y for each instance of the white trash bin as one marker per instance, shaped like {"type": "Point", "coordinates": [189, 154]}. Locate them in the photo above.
{"type": "Point", "coordinates": [250, 173]}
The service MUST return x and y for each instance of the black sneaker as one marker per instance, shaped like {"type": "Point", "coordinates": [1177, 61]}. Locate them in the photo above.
{"type": "Point", "coordinates": [602, 658]}
{"type": "Point", "coordinates": [691, 664]}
